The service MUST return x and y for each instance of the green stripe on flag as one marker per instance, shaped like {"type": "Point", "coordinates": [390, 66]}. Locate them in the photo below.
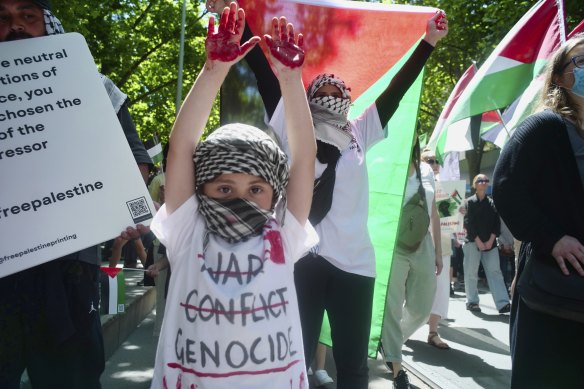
{"type": "Point", "coordinates": [494, 91]}
{"type": "Point", "coordinates": [387, 164]}
{"type": "Point", "coordinates": [121, 300]}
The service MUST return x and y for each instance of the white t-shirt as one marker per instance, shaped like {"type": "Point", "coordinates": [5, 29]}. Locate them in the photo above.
{"type": "Point", "coordinates": [344, 238]}
{"type": "Point", "coordinates": [231, 318]}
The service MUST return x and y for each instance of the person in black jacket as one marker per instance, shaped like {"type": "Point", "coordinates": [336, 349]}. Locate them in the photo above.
{"type": "Point", "coordinates": [49, 322]}
{"type": "Point", "coordinates": [483, 225]}
{"type": "Point", "coordinates": [338, 275]}
{"type": "Point", "coordinates": [539, 192]}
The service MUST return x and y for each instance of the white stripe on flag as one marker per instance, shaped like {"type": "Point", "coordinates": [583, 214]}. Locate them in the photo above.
{"type": "Point", "coordinates": [155, 150]}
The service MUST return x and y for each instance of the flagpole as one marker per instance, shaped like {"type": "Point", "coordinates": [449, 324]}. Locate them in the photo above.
{"type": "Point", "coordinates": [181, 55]}
{"type": "Point", "coordinates": [561, 20]}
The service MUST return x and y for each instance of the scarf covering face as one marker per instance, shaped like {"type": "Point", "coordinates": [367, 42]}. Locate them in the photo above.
{"type": "Point", "coordinates": [239, 148]}
{"type": "Point", "coordinates": [233, 220]}
{"type": "Point", "coordinates": [329, 113]}
{"type": "Point", "coordinates": [53, 26]}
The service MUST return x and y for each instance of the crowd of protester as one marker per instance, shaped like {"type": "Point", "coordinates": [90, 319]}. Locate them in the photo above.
{"type": "Point", "coordinates": [243, 215]}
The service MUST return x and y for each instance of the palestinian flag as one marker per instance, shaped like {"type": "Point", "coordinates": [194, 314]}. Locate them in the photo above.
{"type": "Point", "coordinates": [340, 38]}
{"type": "Point", "coordinates": [154, 148]}
{"type": "Point", "coordinates": [522, 107]}
{"type": "Point", "coordinates": [357, 41]}
{"type": "Point", "coordinates": [456, 137]}
{"type": "Point", "coordinates": [515, 62]}
{"type": "Point", "coordinates": [112, 291]}
{"type": "Point", "coordinates": [459, 134]}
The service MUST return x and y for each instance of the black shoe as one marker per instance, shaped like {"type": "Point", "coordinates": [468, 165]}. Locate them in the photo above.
{"type": "Point", "coordinates": [389, 366]}
{"type": "Point", "coordinates": [451, 291]}
{"type": "Point", "coordinates": [401, 381]}
{"type": "Point", "coordinates": [505, 309]}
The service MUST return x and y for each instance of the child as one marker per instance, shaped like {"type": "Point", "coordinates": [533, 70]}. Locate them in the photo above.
{"type": "Point", "coordinates": [231, 318]}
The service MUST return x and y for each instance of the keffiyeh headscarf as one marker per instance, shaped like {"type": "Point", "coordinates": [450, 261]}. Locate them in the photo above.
{"type": "Point", "coordinates": [238, 148]}
{"type": "Point", "coordinates": [53, 25]}
{"type": "Point", "coordinates": [329, 113]}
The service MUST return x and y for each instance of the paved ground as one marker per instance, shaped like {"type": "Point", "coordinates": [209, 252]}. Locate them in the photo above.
{"type": "Point", "coordinates": [479, 355]}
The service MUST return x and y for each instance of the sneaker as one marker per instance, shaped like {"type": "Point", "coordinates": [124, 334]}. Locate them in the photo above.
{"type": "Point", "coordinates": [321, 378]}
{"type": "Point", "coordinates": [401, 381]}
{"type": "Point", "coordinates": [473, 307]}
{"type": "Point", "coordinates": [505, 309]}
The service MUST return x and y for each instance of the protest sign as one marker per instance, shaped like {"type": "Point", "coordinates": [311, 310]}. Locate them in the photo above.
{"type": "Point", "coordinates": [69, 180]}
{"type": "Point", "coordinates": [449, 198]}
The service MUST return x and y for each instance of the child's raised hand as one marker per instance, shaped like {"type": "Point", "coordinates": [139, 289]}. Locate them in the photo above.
{"type": "Point", "coordinates": [223, 45]}
{"type": "Point", "coordinates": [285, 48]}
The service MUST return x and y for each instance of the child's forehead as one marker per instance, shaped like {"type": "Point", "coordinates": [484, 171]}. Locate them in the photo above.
{"type": "Point", "coordinates": [239, 178]}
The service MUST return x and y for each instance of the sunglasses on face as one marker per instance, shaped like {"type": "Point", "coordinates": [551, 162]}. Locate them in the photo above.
{"type": "Point", "coordinates": [482, 181]}
{"type": "Point", "coordinates": [577, 60]}
{"type": "Point", "coordinates": [432, 161]}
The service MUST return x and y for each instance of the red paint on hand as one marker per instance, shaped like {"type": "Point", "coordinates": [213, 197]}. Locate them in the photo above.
{"type": "Point", "coordinates": [283, 45]}
{"type": "Point", "coordinates": [289, 54]}
{"type": "Point", "coordinates": [438, 21]}
{"type": "Point", "coordinates": [223, 45]}
{"type": "Point", "coordinates": [220, 48]}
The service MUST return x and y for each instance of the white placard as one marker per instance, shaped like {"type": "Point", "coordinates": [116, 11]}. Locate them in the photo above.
{"type": "Point", "coordinates": [449, 199]}
{"type": "Point", "coordinates": [69, 179]}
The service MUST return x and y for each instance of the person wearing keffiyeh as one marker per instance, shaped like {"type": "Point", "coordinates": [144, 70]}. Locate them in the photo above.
{"type": "Point", "coordinates": [338, 275]}
{"type": "Point", "coordinates": [234, 222]}
{"type": "Point", "coordinates": [49, 324]}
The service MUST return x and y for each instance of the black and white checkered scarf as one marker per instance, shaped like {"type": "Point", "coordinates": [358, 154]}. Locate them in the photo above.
{"type": "Point", "coordinates": [239, 148]}
{"type": "Point", "coordinates": [53, 25]}
{"type": "Point", "coordinates": [329, 114]}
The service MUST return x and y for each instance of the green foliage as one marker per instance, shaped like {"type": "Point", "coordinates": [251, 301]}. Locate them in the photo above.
{"type": "Point", "coordinates": [136, 44]}
{"type": "Point", "coordinates": [475, 29]}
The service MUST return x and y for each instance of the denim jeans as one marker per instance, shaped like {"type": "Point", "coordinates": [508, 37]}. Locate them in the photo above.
{"type": "Point", "coordinates": [490, 259]}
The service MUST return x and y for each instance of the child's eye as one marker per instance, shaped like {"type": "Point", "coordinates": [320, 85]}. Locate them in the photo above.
{"type": "Point", "coordinates": [256, 190]}
{"type": "Point", "coordinates": [224, 189]}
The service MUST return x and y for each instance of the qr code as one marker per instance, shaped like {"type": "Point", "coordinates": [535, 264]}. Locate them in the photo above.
{"type": "Point", "coordinates": [139, 210]}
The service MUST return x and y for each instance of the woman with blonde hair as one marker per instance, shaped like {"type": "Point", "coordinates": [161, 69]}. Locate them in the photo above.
{"type": "Point", "coordinates": [541, 201]}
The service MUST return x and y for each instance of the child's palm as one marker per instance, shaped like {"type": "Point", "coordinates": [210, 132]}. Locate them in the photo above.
{"type": "Point", "coordinates": [283, 45]}
{"type": "Point", "coordinates": [223, 45]}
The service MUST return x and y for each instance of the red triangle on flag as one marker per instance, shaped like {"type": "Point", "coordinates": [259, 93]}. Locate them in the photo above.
{"type": "Point", "coordinates": [111, 271]}
{"type": "Point", "coordinates": [579, 28]}
{"type": "Point", "coordinates": [536, 37]}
